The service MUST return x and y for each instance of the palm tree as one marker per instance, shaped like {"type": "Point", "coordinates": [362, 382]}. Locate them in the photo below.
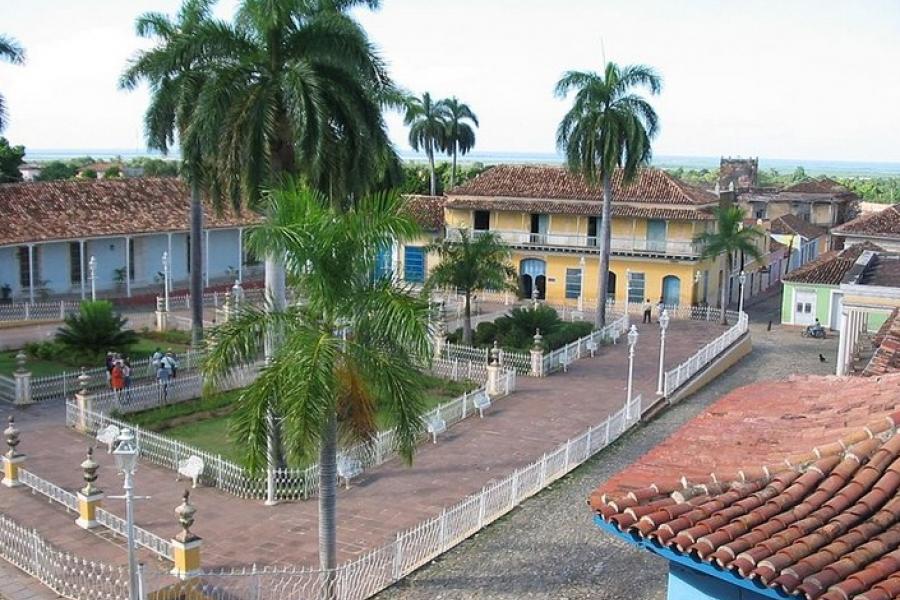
{"type": "Point", "coordinates": [729, 237]}
{"type": "Point", "coordinates": [11, 52]}
{"type": "Point", "coordinates": [427, 123]}
{"type": "Point", "coordinates": [459, 137]}
{"type": "Point", "coordinates": [471, 264]}
{"type": "Point", "coordinates": [348, 352]}
{"type": "Point", "coordinates": [175, 74]}
{"type": "Point", "coordinates": [608, 127]}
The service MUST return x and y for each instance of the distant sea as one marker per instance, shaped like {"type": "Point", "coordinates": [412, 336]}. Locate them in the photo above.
{"type": "Point", "coordinates": [783, 165]}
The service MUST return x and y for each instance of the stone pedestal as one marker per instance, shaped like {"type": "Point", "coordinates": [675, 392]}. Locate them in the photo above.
{"type": "Point", "coordinates": [85, 403]}
{"type": "Point", "coordinates": [11, 466]}
{"type": "Point", "coordinates": [87, 509]}
{"type": "Point", "coordinates": [162, 321]}
{"type": "Point", "coordinates": [186, 556]}
{"type": "Point", "coordinates": [23, 387]}
{"type": "Point", "coordinates": [493, 380]}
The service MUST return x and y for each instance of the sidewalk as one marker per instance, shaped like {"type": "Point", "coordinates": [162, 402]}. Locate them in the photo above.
{"type": "Point", "coordinates": [542, 414]}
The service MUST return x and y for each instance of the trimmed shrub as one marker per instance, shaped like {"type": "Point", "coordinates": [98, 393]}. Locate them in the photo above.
{"type": "Point", "coordinates": [96, 329]}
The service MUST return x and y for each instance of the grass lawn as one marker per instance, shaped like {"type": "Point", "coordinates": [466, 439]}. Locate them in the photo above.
{"type": "Point", "coordinates": [204, 422]}
{"type": "Point", "coordinates": [40, 367]}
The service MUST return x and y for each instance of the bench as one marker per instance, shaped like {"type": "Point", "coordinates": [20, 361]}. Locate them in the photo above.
{"type": "Point", "coordinates": [435, 426]}
{"type": "Point", "coordinates": [564, 361]}
{"type": "Point", "coordinates": [191, 467]}
{"type": "Point", "coordinates": [481, 401]}
{"type": "Point", "coordinates": [592, 347]}
{"type": "Point", "coordinates": [108, 435]}
{"type": "Point", "coordinates": [348, 468]}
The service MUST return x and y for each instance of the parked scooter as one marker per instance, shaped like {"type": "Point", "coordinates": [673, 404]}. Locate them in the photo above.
{"type": "Point", "coordinates": [814, 331]}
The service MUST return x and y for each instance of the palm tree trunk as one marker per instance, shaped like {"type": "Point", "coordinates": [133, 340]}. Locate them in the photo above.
{"type": "Point", "coordinates": [196, 265]}
{"type": "Point", "coordinates": [453, 169]}
{"type": "Point", "coordinates": [467, 320]}
{"type": "Point", "coordinates": [604, 234]}
{"type": "Point", "coordinates": [328, 507]}
{"type": "Point", "coordinates": [275, 294]}
{"type": "Point", "coordinates": [726, 288]}
{"type": "Point", "coordinates": [430, 153]}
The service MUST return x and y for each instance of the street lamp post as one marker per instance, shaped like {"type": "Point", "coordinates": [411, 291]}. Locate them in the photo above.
{"type": "Point", "coordinates": [165, 265]}
{"type": "Point", "coordinates": [92, 267]}
{"type": "Point", "coordinates": [663, 325]}
{"type": "Point", "coordinates": [126, 455]}
{"type": "Point", "coordinates": [632, 340]}
{"type": "Point", "coordinates": [742, 279]}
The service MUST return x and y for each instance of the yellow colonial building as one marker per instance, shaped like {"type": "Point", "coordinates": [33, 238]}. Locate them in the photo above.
{"type": "Point", "coordinates": [550, 218]}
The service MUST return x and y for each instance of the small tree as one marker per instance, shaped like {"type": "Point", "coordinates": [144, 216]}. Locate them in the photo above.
{"type": "Point", "coordinates": [471, 264]}
{"type": "Point", "coordinates": [729, 238]}
{"type": "Point", "coordinates": [113, 172]}
{"type": "Point", "coordinates": [96, 328]}
{"type": "Point", "coordinates": [88, 174]}
{"type": "Point", "coordinates": [427, 121]}
{"type": "Point", "coordinates": [11, 157]}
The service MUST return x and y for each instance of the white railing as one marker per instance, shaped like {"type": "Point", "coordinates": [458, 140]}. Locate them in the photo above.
{"type": "Point", "coordinates": [66, 574]}
{"type": "Point", "coordinates": [675, 378]}
{"type": "Point", "coordinates": [560, 358]}
{"type": "Point", "coordinates": [459, 370]}
{"type": "Point", "coordinates": [622, 245]}
{"type": "Point", "coordinates": [57, 494]}
{"type": "Point", "coordinates": [384, 566]}
{"type": "Point", "coordinates": [290, 484]}
{"type": "Point", "coordinates": [214, 299]}
{"type": "Point", "coordinates": [7, 388]}
{"type": "Point", "coordinates": [38, 311]}
{"type": "Point", "coordinates": [519, 361]}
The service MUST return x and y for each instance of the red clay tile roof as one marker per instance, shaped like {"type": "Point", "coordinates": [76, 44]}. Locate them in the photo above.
{"type": "Point", "coordinates": [652, 186]}
{"type": "Point", "coordinates": [886, 358]}
{"type": "Point", "coordinates": [821, 524]}
{"type": "Point", "coordinates": [579, 207]}
{"type": "Point", "coordinates": [825, 185]}
{"type": "Point", "coordinates": [884, 224]}
{"type": "Point", "coordinates": [791, 224]}
{"type": "Point", "coordinates": [830, 267]}
{"type": "Point", "coordinates": [427, 211]}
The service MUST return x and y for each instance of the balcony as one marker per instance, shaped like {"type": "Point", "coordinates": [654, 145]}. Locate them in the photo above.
{"type": "Point", "coordinates": [583, 244]}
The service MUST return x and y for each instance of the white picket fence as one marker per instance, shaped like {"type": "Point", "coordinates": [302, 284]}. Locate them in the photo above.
{"type": "Point", "coordinates": [520, 361]}
{"type": "Point", "coordinates": [561, 358]}
{"type": "Point", "coordinates": [290, 484]}
{"type": "Point", "coordinates": [459, 370]}
{"type": "Point", "coordinates": [675, 378]}
{"type": "Point", "coordinates": [38, 311]}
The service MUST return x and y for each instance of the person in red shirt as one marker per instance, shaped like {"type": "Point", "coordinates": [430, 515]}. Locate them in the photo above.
{"type": "Point", "coordinates": [117, 378]}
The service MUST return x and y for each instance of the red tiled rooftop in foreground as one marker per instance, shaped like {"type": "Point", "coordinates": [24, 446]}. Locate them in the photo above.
{"type": "Point", "coordinates": [793, 484]}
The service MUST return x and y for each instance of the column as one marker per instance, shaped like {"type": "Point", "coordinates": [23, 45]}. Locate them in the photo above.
{"type": "Point", "coordinates": [205, 260]}
{"type": "Point", "coordinates": [89, 497]}
{"type": "Point", "coordinates": [127, 266]}
{"type": "Point", "coordinates": [240, 254]}
{"type": "Point", "coordinates": [83, 266]}
{"type": "Point", "coordinates": [840, 369]}
{"type": "Point", "coordinates": [186, 545]}
{"type": "Point", "coordinates": [171, 262]}
{"type": "Point", "coordinates": [31, 273]}
{"type": "Point", "coordinates": [12, 459]}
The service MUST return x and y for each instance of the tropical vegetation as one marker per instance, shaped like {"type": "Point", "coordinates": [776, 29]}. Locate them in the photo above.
{"type": "Point", "coordinates": [609, 127]}
{"type": "Point", "coordinates": [469, 264]}
{"type": "Point", "coordinates": [459, 137]}
{"type": "Point", "coordinates": [427, 121]}
{"type": "Point", "coordinates": [11, 158]}
{"type": "Point", "coordinates": [95, 329]}
{"type": "Point", "coordinates": [729, 238]}
{"type": "Point", "coordinates": [350, 351]}
{"type": "Point", "coordinates": [515, 331]}
{"type": "Point", "coordinates": [12, 52]}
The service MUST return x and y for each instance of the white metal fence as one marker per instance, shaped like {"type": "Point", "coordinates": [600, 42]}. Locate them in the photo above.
{"type": "Point", "coordinates": [459, 370]}
{"type": "Point", "coordinates": [38, 311]}
{"type": "Point", "coordinates": [675, 378]}
{"type": "Point", "coordinates": [560, 358]}
{"type": "Point", "coordinates": [519, 361]}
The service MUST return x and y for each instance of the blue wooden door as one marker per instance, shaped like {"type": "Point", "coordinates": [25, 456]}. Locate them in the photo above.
{"type": "Point", "coordinates": [414, 264]}
{"type": "Point", "coordinates": [671, 290]}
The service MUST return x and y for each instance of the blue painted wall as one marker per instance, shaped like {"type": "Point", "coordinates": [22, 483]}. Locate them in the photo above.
{"type": "Point", "coordinates": [54, 267]}
{"type": "Point", "coordinates": [689, 584]}
{"type": "Point", "coordinates": [9, 269]}
{"type": "Point", "coordinates": [223, 252]}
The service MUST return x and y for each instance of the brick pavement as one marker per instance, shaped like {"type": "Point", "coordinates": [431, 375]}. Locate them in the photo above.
{"type": "Point", "coordinates": [542, 414]}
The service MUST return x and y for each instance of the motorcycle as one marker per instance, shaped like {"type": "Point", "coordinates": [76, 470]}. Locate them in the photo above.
{"type": "Point", "coordinates": [814, 332]}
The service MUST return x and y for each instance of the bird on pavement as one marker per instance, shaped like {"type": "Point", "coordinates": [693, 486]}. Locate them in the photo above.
{"type": "Point", "coordinates": [821, 358]}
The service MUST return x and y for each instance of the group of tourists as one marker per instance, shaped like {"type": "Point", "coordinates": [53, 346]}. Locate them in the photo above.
{"type": "Point", "coordinates": [648, 310]}
{"type": "Point", "coordinates": [119, 371]}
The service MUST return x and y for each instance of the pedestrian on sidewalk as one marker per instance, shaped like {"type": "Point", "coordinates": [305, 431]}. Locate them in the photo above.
{"type": "Point", "coordinates": [110, 363]}
{"type": "Point", "coordinates": [660, 307]}
{"type": "Point", "coordinates": [648, 309]}
{"type": "Point", "coordinates": [163, 377]}
{"type": "Point", "coordinates": [117, 380]}
{"type": "Point", "coordinates": [170, 362]}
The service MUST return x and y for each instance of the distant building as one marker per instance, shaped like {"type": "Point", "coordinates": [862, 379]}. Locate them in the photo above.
{"type": "Point", "coordinates": [30, 171]}
{"type": "Point", "coordinates": [742, 173]}
{"type": "Point", "coordinates": [823, 202]}
{"type": "Point", "coordinates": [882, 228]}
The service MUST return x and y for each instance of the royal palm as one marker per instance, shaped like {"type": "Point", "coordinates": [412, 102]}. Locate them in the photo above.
{"type": "Point", "coordinates": [609, 127]}
{"type": "Point", "coordinates": [348, 352]}
{"type": "Point", "coordinates": [427, 121]}
{"type": "Point", "coordinates": [174, 70]}
{"type": "Point", "coordinates": [729, 238]}
{"type": "Point", "coordinates": [12, 52]}
{"type": "Point", "coordinates": [460, 138]}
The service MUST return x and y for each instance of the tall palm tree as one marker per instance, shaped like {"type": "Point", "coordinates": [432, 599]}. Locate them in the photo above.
{"type": "Point", "coordinates": [427, 121]}
{"type": "Point", "coordinates": [460, 138]}
{"type": "Point", "coordinates": [348, 352]}
{"type": "Point", "coordinates": [608, 127]}
{"type": "Point", "coordinates": [174, 70]}
{"type": "Point", "coordinates": [729, 237]}
{"type": "Point", "coordinates": [471, 264]}
{"type": "Point", "coordinates": [11, 52]}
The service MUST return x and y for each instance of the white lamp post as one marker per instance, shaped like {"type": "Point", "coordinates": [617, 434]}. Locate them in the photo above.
{"type": "Point", "coordinates": [165, 265]}
{"type": "Point", "coordinates": [92, 267]}
{"type": "Point", "coordinates": [742, 279]}
{"type": "Point", "coordinates": [126, 455]}
{"type": "Point", "coordinates": [663, 325]}
{"type": "Point", "coordinates": [632, 340]}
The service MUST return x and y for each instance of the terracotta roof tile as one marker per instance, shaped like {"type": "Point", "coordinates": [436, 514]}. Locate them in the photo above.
{"type": "Point", "coordinates": [579, 207]}
{"type": "Point", "coordinates": [830, 267]}
{"type": "Point", "coordinates": [825, 185]}
{"type": "Point", "coordinates": [885, 223]}
{"type": "Point", "coordinates": [886, 358]}
{"type": "Point", "coordinates": [427, 211]}
{"type": "Point", "coordinates": [791, 224]}
{"type": "Point", "coordinates": [652, 186]}
{"type": "Point", "coordinates": [826, 528]}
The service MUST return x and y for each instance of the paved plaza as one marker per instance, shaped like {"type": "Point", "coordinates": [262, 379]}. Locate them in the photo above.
{"type": "Point", "coordinates": [538, 417]}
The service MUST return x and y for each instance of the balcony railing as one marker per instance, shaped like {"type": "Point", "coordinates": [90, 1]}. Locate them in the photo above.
{"type": "Point", "coordinates": [618, 245]}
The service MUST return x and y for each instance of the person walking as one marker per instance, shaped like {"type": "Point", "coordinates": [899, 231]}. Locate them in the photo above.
{"type": "Point", "coordinates": [648, 310]}
{"type": "Point", "coordinates": [163, 378]}
{"type": "Point", "coordinates": [117, 380]}
{"type": "Point", "coordinates": [126, 373]}
{"type": "Point", "coordinates": [171, 362]}
{"type": "Point", "coordinates": [660, 307]}
{"type": "Point", "coordinates": [110, 363]}
{"type": "Point", "coordinates": [154, 361]}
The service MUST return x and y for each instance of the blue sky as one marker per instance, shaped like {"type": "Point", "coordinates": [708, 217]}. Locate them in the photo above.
{"type": "Point", "coordinates": [809, 79]}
